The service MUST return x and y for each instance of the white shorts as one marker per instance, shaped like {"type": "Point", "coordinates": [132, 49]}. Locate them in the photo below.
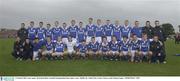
{"type": "Point", "coordinates": [83, 54]}
{"type": "Point", "coordinates": [70, 51]}
{"type": "Point", "coordinates": [48, 52]}
{"type": "Point", "coordinates": [58, 53]}
{"type": "Point", "coordinates": [150, 39]}
{"type": "Point", "coordinates": [108, 38]}
{"type": "Point", "coordinates": [88, 39]}
{"type": "Point", "coordinates": [125, 52]}
{"type": "Point", "coordinates": [35, 54]}
{"type": "Point", "coordinates": [144, 53]}
{"type": "Point", "coordinates": [98, 39]}
{"type": "Point", "coordinates": [65, 40]}
{"type": "Point", "coordinates": [139, 38]}
{"type": "Point", "coordinates": [74, 40]}
{"type": "Point", "coordinates": [133, 52]}
{"type": "Point", "coordinates": [114, 52]}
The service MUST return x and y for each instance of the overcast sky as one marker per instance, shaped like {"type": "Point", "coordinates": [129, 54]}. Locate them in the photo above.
{"type": "Point", "coordinates": [14, 12]}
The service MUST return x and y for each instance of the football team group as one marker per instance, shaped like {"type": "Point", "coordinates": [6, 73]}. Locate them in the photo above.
{"type": "Point", "coordinates": [93, 41]}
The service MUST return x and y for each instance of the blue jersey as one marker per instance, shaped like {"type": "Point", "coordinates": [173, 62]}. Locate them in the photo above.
{"type": "Point", "coordinates": [49, 33]}
{"type": "Point", "coordinates": [117, 32]}
{"type": "Point", "coordinates": [81, 34]}
{"type": "Point", "coordinates": [93, 46]}
{"type": "Point", "coordinates": [36, 46]}
{"type": "Point", "coordinates": [104, 47]}
{"type": "Point", "coordinates": [108, 29]}
{"type": "Point", "coordinates": [125, 31]}
{"type": "Point", "coordinates": [64, 33]}
{"type": "Point", "coordinates": [56, 33]}
{"type": "Point", "coordinates": [49, 46]}
{"type": "Point", "coordinates": [113, 46]}
{"type": "Point", "coordinates": [124, 45]}
{"type": "Point", "coordinates": [82, 48]}
{"type": "Point", "coordinates": [90, 29]}
{"type": "Point", "coordinates": [31, 33]}
{"type": "Point", "coordinates": [135, 45]}
{"type": "Point", "coordinates": [99, 31]}
{"type": "Point", "coordinates": [144, 45]}
{"type": "Point", "coordinates": [73, 31]}
{"type": "Point", "coordinates": [137, 31]}
{"type": "Point", "coordinates": [41, 33]}
{"type": "Point", "coordinates": [60, 47]}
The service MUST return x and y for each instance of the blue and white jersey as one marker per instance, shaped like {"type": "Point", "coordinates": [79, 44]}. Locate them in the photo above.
{"type": "Point", "coordinates": [144, 45]}
{"type": "Point", "coordinates": [56, 33]}
{"type": "Point", "coordinates": [64, 33]}
{"type": "Point", "coordinates": [114, 46]}
{"type": "Point", "coordinates": [36, 46]}
{"type": "Point", "coordinates": [81, 34]}
{"type": "Point", "coordinates": [137, 31]}
{"type": "Point", "coordinates": [41, 33]}
{"type": "Point", "coordinates": [49, 33]}
{"type": "Point", "coordinates": [117, 32]}
{"type": "Point", "coordinates": [73, 31]}
{"type": "Point", "coordinates": [124, 45]}
{"type": "Point", "coordinates": [90, 29]}
{"type": "Point", "coordinates": [126, 31]}
{"type": "Point", "coordinates": [104, 47]}
{"type": "Point", "coordinates": [31, 33]}
{"type": "Point", "coordinates": [135, 45]}
{"type": "Point", "coordinates": [82, 48]}
{"type": "Point", "coordinates": [59, 47]}
{"type": "Point", "coordinates": [49, 46]}
{"type": "Point", "coordinates": [108, 29]}
{"type": "Point", "coordinates": [99, 31]}
{"type": "Point", "coordinates": [93, 46]}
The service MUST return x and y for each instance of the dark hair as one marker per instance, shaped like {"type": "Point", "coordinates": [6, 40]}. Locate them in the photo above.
{"type": "Point", "coordinates": [32, 22]}
{"type": "Point", "coordinates": [91, 18]}
{"type": "Point", "coordinates": [41, 22]}
{"type": "Point", "coordinates": [156, 21]}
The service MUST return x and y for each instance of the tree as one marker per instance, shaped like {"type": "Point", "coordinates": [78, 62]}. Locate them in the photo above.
{"type": "Point", "coordinates": [168, 29]}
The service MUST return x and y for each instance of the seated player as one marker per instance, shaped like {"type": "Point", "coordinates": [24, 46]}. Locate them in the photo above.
{"type": "Point", "coordinates": [28, 49]}
{"type": "Point", "coordinates": [18, 49]}
{"type": "Point", "coordinates": [125, 48]}
{"type": "Point", "coordinates": [71, 47]}
{"type": "Point", "coordinates": [93, 48]}
{"type": "Point", "coordinates": [37, 49]}
{"type": "Point", "coordinates": [59, 49]}
{"type": "Point", "coordinates": [144, 48]}
{"type": "Point", "coordinates": [114, 49]}
{"type": "Point", "coordinates": [134, 47]}
{"type": "Point", "coordinates": [156, 50]}
{"type": "Point", "coordinates": [82, 50]}
{"type": "Point", "coordinates": [104, 48]}
{"type": "Point", "coordinates": [48, 48]}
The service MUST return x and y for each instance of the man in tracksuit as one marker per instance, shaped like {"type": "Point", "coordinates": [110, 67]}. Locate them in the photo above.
{"type": "Point", "coordinates": [149, 30]}
{"type": "Point", "coordinates": [18, 50]}
{"type": "Point", "coordinates": [22, 33]}
{"type": "Point", "coordinates": [156, 49]}
{"type": "Point", "coordinates": [158, 30]}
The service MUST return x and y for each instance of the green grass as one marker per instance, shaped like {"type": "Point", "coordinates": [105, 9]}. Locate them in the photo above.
{"type": "Point", "coordinates": [9, 66]}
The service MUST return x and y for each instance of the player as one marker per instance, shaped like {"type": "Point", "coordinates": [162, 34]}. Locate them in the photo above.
{"type": "Point", "coordinates": [117, 30]}
{"type": "Point", "coordinates": [108, 30]}
{"type": "Point", "coordinates": [37, 49]}
{"type": "Point", "coordinates": [56, 32]}
{"type": "Point", "coordinates": [125, 55]}
{"type": "Point", "coordinates": [93, 48]}
{"type": "Point", "coordinates": [90, 30]}
{"type": "Point", "coordinates": [71, 47]}
{"type": "Point", "coordinates": [81, 33]}
{"type": "Point", "coordinates": [48, 49]}
{"type": "Point", "coordinates": [31, 32]}
{"type": "Point", "coordinates": [64, 33]}
{"type": "Point", "coordinates": [104, 48]}
{"type": "Point", "coordinates": [144, 48]}
{"type": "Point", "coordinates": [114, 49]}
{"type": "Point", "coordinates": [41, 33]}
{"type": "Point", "coordinates": [126, 29]}
{"type": "Point", "coordinates": [134, 47]}
{"type": "Point", "coordinates": [49, 32]}
{"type": "Point", "coordinates": [137, 30]}
{"type": "Point", "coordinates": [82, 50]}
{"type": "Point", "coordinates": [99, 31]}
{"type": "Point", "coordinates": [59, 50]}
{"type": "Point", "coordinates": [73, 30]}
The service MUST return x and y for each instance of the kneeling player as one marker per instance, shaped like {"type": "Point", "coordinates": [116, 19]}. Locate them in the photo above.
{"type": "Point", "coordinates": [144, 49]}
{"type": "Point", "coordinates": [125, 48]}
{"type": "Point", "coordinates": [104, 48]}
{"type": "Point", "coordinates": [134, 48]}
{"type": "Point", "coordinates": [82, 50]}
{"type": "Point", "coordinates": [37, 49]}
{"type": "Point", "coordinates": [93, 47]}
{"type": "Point", "coordinates": [59, 49]}
{"type": "Point", "coordinates": [71, 47]}
{"type": "Point", "coordinates": [49, 49]}
{"type": "Point", "coordinates": [114, 49]}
